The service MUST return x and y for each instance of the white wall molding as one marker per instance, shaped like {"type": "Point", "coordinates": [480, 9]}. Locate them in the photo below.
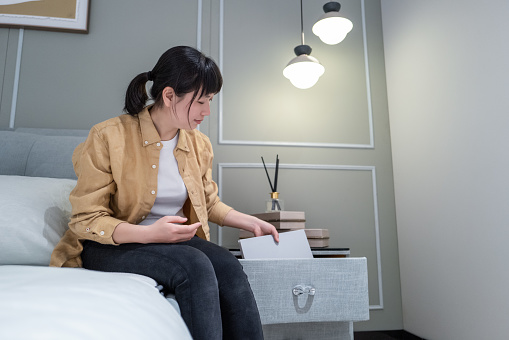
{"type": "Point", "coordinates": [318, 167]}
{"type": "Point", "coordinates": [15, 88]}
{"type": "Point", "coordinates": [371, 143]}
{"type": "Point", "coordinates": [199, 26]}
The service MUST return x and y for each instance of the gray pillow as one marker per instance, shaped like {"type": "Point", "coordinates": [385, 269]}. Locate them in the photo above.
{"type": "Point", "coordinates": [34, 213]}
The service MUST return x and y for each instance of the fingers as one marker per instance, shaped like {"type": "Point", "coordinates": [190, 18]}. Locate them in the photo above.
{"type": "Point", "coordinates": [185, 229]}
{"type": "Point", "coordinates": [184, 232]}
{"type": "Point", "coordinates": [275, 234]}
{"type": "Point", "coordinates": [267, 229]}
{"type": "Point", "coordinates": [170, 229]}
{"type": "Point", "coordinates": [272, 231]}
{"type": "Point", "coordinates": [174, 219]}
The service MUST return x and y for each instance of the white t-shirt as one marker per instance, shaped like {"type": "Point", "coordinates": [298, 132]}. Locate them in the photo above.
{"type": "Point", "coordinates": [171, 191]}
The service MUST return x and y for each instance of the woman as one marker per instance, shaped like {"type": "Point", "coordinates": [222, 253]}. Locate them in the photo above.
{"type": "Point", "coordinates": [145, 194]}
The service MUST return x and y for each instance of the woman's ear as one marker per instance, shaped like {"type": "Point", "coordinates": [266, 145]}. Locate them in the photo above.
{"type": "Point", "coordinates": [168, 96]}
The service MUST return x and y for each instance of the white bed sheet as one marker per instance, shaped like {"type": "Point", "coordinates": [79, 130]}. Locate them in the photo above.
{"type": "Point", "coordinates": [71, 303]}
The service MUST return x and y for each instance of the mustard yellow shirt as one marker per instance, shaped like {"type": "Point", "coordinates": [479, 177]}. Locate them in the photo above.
{"type": "Point", "coordinates": [117, 169]}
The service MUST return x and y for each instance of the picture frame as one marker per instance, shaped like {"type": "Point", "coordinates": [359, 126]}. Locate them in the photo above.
{"type": "Point", "coordinates": [53, 15]}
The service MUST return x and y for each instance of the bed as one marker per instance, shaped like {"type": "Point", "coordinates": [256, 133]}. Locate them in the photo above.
{"type": "Point", "coordinates": [40, 302]}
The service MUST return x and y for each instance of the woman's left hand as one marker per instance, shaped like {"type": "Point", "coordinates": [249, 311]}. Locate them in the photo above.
{"type": "Point", "coordinates": [261, 228]}
{"type": "Point", "coordinates": [250, 223]}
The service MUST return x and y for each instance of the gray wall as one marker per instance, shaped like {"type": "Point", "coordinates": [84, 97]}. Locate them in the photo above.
{"type": "Point", "coordinates": [73, 80]}
{"type": "Point", "coordinates": [448, 76]}
{"type": "Point", "coordinates": [333, 139]}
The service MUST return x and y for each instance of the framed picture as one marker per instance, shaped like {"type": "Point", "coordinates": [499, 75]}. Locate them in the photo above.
{"type": "Point", "coordinates": [53, 15]}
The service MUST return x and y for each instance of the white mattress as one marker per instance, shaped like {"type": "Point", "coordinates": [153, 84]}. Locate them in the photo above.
{"type": "Point", "coordinates": [70, 303]}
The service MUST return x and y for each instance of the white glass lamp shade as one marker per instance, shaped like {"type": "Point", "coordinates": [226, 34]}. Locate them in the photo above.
{"type": "Point", "coordinates": [331, 28]}
{"type": "Point", "coordinates": [303, 71]}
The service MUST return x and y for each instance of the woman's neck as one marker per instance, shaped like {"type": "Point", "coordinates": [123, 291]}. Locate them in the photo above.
{"type": "Point", "coordinates": [163, 123]}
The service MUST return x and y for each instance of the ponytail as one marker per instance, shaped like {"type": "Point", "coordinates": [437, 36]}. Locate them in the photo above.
{"type": "Point", "coordinates": [136, 95]}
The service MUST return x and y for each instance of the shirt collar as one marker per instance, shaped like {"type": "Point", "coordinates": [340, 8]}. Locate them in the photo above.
{"type": "Point", "coordinates": [150, 135]}
{"type": "Point", "coordinates": [183, 140]}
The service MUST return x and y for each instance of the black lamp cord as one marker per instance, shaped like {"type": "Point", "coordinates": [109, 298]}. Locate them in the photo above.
{"type": "Point", "coordinates": [301, 24]}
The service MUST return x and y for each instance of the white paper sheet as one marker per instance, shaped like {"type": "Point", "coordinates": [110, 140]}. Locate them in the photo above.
{"type": "Point", "coordinates": [292, 245]}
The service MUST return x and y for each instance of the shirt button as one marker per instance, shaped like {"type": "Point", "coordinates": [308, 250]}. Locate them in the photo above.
{"type": "Point", "coordinates": [153, 192]}
{"type": "Point", "coordinates": [146, 142]}
{"type": "Point", "coordinates": [101, 233]}
{"type": "Point", "coordinates": [153, 166]}
{"type": "Point", "coordinates": [158, 144]}
{"type": "Point", "coordinates": [143, 217]}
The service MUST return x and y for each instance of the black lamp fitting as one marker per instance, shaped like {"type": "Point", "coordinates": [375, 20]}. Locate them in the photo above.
{"type": "Point", "coordinates": [302, 49]}
{"type": "Point", "coordinates": [332, 6]}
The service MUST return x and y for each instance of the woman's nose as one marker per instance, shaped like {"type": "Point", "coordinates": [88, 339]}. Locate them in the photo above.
{"type": "Point", "coordinates": [206, 110]}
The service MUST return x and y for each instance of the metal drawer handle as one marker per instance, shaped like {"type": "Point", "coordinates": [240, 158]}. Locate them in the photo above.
{"type": "Point", "coordinates": [300, 289]}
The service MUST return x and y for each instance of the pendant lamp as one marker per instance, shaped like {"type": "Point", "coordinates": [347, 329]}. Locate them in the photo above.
{"type": "Point", "coordinates": [304, 70]}
{"type": "Point", "coordinates": [332, 28]}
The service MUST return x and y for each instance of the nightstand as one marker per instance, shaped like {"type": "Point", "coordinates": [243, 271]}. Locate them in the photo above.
{"type": "Point", "coordinates": [315, 299]}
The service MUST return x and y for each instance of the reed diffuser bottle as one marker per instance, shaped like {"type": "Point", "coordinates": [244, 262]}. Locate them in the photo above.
{"type": "Point", "coordinates": [274, 203]}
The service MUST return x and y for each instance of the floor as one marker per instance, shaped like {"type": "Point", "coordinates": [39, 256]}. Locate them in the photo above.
{"type": "Point", "coordinates": [386, 335]}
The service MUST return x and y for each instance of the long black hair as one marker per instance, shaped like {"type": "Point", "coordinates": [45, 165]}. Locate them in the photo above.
{"type": "Point", "coordinates": [182, 68]}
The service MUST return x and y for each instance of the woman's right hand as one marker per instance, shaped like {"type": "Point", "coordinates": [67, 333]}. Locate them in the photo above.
{"type": "Point", "coordinates": [167, 229]}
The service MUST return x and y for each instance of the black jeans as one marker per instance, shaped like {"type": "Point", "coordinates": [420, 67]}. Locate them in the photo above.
{"type": "Point", "coordinates": [212, 290]}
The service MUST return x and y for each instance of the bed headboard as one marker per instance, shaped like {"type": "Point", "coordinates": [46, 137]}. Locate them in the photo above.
{"type": "Point", "coordinates": [39, 152]}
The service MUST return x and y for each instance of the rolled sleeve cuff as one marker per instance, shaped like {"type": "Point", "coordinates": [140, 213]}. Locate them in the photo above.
{"type": "Point", "coordinates": [219, 212]}
{"type": "Point", "coordinates": [101, 231]}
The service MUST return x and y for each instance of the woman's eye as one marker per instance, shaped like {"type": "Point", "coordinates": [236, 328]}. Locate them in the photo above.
{"type": "Point", "coordinates": [201, 103]}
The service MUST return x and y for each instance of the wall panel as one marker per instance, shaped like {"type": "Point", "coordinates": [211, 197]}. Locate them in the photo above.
{"type": "Point", "coordinates": [259, 45]}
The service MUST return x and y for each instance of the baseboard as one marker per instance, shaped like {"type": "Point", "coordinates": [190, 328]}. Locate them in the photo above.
{"type": "Point", "coordinates": [386, 335]}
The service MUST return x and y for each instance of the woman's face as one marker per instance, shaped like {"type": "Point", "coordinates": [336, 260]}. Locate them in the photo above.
{"type": "Point", "coordinates": [200, 109]}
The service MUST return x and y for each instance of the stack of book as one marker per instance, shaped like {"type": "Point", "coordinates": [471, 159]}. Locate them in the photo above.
{"type": "Point", "coordinates": [292, 220]}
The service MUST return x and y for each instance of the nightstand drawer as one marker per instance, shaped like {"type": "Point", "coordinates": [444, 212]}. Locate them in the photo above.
{"type": "Point", "coordinates": [309, 290]}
